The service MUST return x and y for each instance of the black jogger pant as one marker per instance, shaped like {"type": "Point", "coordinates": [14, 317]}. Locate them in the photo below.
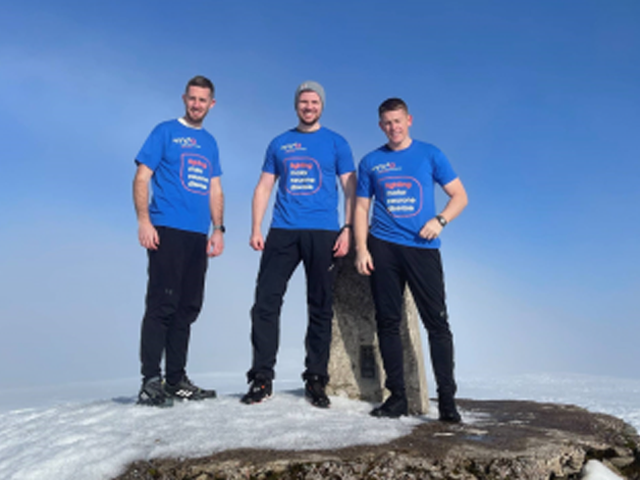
{"type": "Point", "coordinates": [283, 251]}
{"type": "Point", "coordinates": [175, 293]}
{"type": "Point", "coordinates": [394, 267]}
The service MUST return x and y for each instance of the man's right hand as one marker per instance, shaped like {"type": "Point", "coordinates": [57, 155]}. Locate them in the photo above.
{"type": "Point", "coordinates": [148, 236]}
{"type": "Point", "coordinates": [364, 262]}
{"type": "Point", "coordinates": [257, 241]}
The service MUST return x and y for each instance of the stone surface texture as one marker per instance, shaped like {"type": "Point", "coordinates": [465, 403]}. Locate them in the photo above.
{"type": "Point", "coordinates": [514, 440]}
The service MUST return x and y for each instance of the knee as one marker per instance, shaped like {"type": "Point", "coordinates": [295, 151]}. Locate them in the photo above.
{"type": "Point", "coordinates": [162, 305]}
{"type": "Point", "coordinates": [437, 322]}
{"type": "Point", "coordinates": [191, 313]}
{"type": "Point", "coordinates": [265, 312]}
{"type": "Point", "coordinates": [268, 299]}
{"type": "Point", "coordinates": [320, 310]}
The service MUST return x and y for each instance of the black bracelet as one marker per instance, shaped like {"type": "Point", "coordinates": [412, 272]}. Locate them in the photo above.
{"type": "Point", "coordinates": [345, 226]}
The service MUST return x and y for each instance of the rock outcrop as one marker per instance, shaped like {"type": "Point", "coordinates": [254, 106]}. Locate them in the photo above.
{"type": "Point", "coordinates": [499, 440]}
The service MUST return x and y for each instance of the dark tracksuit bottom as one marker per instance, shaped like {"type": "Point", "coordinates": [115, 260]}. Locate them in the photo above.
{"type": "Point", "coordinates": [284, 250]}
{"type": "Point", "coordinates": [394, 267]}
{"type": "Point", "coordinates": [175, 292]}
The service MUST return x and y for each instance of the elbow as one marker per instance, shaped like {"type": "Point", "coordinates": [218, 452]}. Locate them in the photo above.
{"type": "Point", "coordinates": [463, 198]}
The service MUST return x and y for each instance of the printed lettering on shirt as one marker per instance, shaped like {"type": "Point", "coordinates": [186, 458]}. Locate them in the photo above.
{"type": "Point", "coordinates": [402, 196]}
{"type": "Point", "coordinates": [195, 172]}
{"type": "Point", "coordinates": [186, 142]}
{"type": "Point", "coordinates": [303, 175]}
{"type": "Point", "coordinates": [292, 147]}
{"type": "Point", "coordinates": [386, 167]}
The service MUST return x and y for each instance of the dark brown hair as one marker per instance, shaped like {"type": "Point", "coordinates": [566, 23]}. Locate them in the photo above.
{"type": "Point", "coordinates": [202, 82]}
{"type": "Point", "coordinates": [391, 104]}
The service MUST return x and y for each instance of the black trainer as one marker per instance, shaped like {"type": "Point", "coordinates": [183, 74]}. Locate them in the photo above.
{"type": "Point", "coordinates": [448, 411]}
{"type": "Point", "coordinates": [314, 391]}
{"type": "Point", "coordinates": [152, 393]}
{"type": "Point", "coordinates": [186, 390]}
{"type": "Point", "coordinates": [394, 407]}
{"type": "Point", "coordinates": [260, 390]}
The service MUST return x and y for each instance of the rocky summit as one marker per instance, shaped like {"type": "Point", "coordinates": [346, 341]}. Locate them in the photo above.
{"type": "Point", "coordinates": [502, 440]}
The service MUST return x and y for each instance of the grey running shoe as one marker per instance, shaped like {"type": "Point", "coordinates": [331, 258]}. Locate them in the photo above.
{"type": "Point", "coordinates": [152, 393]}
{"type": "Point", "coordinates": [186, 390]}
{"type": "Point", "coordinates": [314, 391]}
{"type": "Point", "coordinates": [260, 390]}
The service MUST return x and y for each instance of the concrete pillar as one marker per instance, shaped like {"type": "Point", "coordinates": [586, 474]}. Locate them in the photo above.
{"type": "Point", "coordinates": [355, 367]}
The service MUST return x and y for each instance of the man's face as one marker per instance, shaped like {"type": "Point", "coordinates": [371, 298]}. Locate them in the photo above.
{"type": "Point", "coordinates": [309, 108]}
{"type": "Point", "coordinates": [197, 103]}
{"type": "Point", "coordinates": [395, 125]}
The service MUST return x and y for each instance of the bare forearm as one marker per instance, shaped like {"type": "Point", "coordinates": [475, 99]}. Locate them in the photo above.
{"type": "Point", "coordinates": [258, 208]}
{"type": "Point", "coordinates": [141, 200]}
{"type": "Point", "coordinates": [458, 200]}
{"type": "Point", "coordinates": [361, 223]}
{"type": "Point", "coordinates": [217, 207]}
{"type": "Point", "coordinates": [364, 261]}
{"type": "Point", "coordinates": [147, 234]}
{"type": "Point", "coordinates": [453, 208]}
{"type": "Point", "coordinates": [348, 181]}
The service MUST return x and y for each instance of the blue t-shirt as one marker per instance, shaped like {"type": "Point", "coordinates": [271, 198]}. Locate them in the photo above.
{"type": "Point", "coordinates": [183, 160]}
{"type": "Point", "coordinates": [403, 185]}
{"type": "Point", "coordinates": [308, 166]}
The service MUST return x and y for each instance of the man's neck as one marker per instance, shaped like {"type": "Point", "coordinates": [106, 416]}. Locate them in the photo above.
{"type": "Point", "coordinates": [406, 143]}
{"type": "Point", "coordinates": [187, 123]}
{"type": "Point", "coordinates": [304, 128]}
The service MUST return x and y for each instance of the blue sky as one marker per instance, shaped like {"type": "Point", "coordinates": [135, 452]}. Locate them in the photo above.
{"type": "Point", "coordinates": [535, 104]}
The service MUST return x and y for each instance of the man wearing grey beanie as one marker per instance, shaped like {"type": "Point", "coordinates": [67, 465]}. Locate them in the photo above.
{"type": "Point", "coordinates": [307, 163]}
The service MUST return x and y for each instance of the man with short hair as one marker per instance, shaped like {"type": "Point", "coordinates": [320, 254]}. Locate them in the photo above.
{"type": "Point", "coordinates": [307, 161]}
{"type": "Point", "coordinates": [180, 159]}
{"type": "Point", "coordinates": [402, 247]}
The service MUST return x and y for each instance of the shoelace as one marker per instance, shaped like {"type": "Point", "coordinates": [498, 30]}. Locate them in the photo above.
{"type": "Point", "coordinates": [189, 384]}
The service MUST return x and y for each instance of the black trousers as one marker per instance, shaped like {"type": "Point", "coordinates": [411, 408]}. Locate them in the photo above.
{"type": "Point", "coordinates": [394, 267]}
{"type": "Point", "coordinates": [175, 293]}
{"type": "Point", "coordinates": [284, 250]}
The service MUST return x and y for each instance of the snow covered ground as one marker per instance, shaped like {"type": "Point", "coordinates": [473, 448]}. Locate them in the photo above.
{"type": "Point", "coordinates": [91, 431]}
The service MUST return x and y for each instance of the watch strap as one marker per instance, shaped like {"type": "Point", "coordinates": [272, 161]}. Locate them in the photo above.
{"type": "Point", "coordinates": [442, 220]}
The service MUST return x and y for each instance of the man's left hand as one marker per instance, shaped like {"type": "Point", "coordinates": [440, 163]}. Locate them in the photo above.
{"type": "Point", "coordinates": [431, 229]}
{"type": "Point", "coordinates": [341, 247]}
{"type": "Point", "coordinates": [215, 245]}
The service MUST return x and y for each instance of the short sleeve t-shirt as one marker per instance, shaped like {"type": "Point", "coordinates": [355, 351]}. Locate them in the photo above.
{"type": "Point", "coordinates": [183, 160]}
{"type": "Point", "coordinates": [308, 166]}
{"type": "Point", "coordinates": [402, 183]}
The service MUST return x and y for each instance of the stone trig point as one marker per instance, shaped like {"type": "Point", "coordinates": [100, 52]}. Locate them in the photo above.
{"type": "Point", "coordinates": [355, 367]}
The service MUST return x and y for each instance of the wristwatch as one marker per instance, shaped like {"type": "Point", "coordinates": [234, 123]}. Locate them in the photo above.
{"type": "Point", "coordinates": [442, 220]}
{"type": "Point", "coordinates": [220, 227]}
